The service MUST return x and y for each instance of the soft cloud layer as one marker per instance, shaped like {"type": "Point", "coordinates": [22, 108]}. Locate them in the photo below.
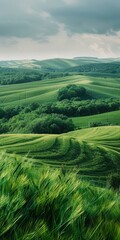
{"type": "Point", "coordinates": [64, 28]}
{"type": "Point", "coordinates": [88, 16]}
{"type": "Point", "coordinates": [20, 19]}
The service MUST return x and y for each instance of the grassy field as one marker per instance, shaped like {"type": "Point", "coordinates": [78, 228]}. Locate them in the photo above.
{"type": "Point", "coordinates": [56, 186]}
{"type": "Point", "coordinates": [95, 151]}
{"type": "Point", "coordinates": [46, 90]}
{"type": "Point", "coordinates": [110, 118]}
{"type": "Point", "coordinates": [50, 204]}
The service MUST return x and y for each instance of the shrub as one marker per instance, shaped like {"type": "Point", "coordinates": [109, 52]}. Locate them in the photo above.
{"type": "Point", "coordinates": [51, 124]}
{"type": "Point", "coordinates": [98, 124]}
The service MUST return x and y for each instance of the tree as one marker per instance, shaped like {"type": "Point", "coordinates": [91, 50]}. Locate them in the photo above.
{"type": "Point", "coordinates": [72, 91]}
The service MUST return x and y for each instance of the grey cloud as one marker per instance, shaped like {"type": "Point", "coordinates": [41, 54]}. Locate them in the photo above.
{"type": "Point", "coordinates": [20, 19]}
{"type": "Point", "coordinates": [39, 19]}
{"type": "Point", "coordinates": [89, 16]}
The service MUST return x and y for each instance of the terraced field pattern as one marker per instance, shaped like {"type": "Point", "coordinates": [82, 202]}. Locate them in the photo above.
{"type": "Point", "coordinates": [93, 152]}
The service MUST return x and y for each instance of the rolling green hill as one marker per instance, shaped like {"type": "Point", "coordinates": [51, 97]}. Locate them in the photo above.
{"type": "Point", "coordinates": [46, 90]}
{"type": "Point", "coordinates": [57, 63]}
{"type": "Point", "coordinates": [95, 151]}
{"type": "Point", "coordinates": [110, 118]}
{"type": "Point", "coordinates": [56, 186]}
{"type": "Point", "coordinates": [40, 64]}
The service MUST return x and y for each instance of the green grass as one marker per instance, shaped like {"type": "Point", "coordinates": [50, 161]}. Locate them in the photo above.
{"type": "Point", "coordinates": [49, 204]}
{"type": "Point", "coordinates": [94, 152]}
{"type": "Point", "coordinates": [110, 118]}
{"type": "Point", "coordinates": [46, 90]}
{"type": "Point", "coordinates": [55, 187]}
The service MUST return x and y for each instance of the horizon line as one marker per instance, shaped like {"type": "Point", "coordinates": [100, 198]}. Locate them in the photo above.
{"type": "Point", "coordinates": [43, 59]}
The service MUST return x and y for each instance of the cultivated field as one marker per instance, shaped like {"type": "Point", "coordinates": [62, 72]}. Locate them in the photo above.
{"type": "Point", "coordinates": [93, 152]}
{"type": "Point", "coordinates": [45, 91]}
{"type": "Point", "coordinates": [110, 118]}
{"type": "Point", "coordinates": [60, 186]}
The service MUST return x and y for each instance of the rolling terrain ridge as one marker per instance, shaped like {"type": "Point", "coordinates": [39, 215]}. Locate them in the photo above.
{"type": "Point", "coordinates": [94, 152]}
{"type": "Point", "coordinates": [46, 91]}
{"type": "Point", "coordinates": [60, 186]}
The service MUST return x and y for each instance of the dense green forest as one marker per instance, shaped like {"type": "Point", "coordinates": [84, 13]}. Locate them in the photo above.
{"type": "Point", "coordinates": [13, 76]}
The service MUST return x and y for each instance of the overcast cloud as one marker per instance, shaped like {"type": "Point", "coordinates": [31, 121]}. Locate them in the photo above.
{"type": "Point", "coordinates": [64, 28]}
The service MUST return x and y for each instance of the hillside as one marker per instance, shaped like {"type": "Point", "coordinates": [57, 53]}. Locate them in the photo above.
{"type": "Point", "coordinates": [57, 63]}
{"type": "Point", "coordinates": [95, 151]}
{"type": "Point", "coordinates": [62, 183]}
{"type": "Point", "coordinates": [46, 91]}
{"type": "Point", "coordinates": [103, 68]}
{"type": "Point", "coordinates": [109, 118]}
{"type": "Point", "coordinates": [37, 64]}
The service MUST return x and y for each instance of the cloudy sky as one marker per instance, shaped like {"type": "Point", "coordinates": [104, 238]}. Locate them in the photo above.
{"type": "Point", "coordinates": [43, 29]}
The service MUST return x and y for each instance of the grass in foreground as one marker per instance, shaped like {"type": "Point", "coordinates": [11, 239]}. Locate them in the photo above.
{"type": "Point", "coordinates": [50, 204]}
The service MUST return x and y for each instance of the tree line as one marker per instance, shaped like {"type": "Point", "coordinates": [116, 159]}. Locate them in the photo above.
{"type": "Point", "coordinates": [14, 76]}
{"type": "Point", "coordinates": [53, 117]}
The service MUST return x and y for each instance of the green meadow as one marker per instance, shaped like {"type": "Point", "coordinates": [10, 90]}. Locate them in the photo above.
{"type": "Point", "coordinates": [110, 118]}
{"type": "Point", "coordinates": [60, 158]}
{"type": "Point", "coordinates": [46, 91]}
{"type": "Point", "coordinates": [47, 203]}
{"type": "Point", "coordinates": [94, 152]}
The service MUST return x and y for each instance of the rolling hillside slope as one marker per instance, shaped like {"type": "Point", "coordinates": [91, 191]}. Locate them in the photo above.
{"type": "Point", "coordinates": [94, 152]}
{"type": "Point", "coordinates": [40, 64]}
{"type": "Point", "coordinates": [56, 63]}
{"type": "Point", "coordinates": [110, 118]}
{"type": "Point", "coordinates": [59, 186]}
{"type": "Point", "coordinates": [46, 90]}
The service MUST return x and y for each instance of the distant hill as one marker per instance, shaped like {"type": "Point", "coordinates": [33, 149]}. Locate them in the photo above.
{"type": "Point", "coordinates": [41, 64]}
{"type": "Point", "coordinates": [96, 60]}
{"type": "Point", "coordinates": [97, 69]}
{"type": "Point", "coordinates": [56, 64]}
{"type": "Point", "coordinates": [21, 71]}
